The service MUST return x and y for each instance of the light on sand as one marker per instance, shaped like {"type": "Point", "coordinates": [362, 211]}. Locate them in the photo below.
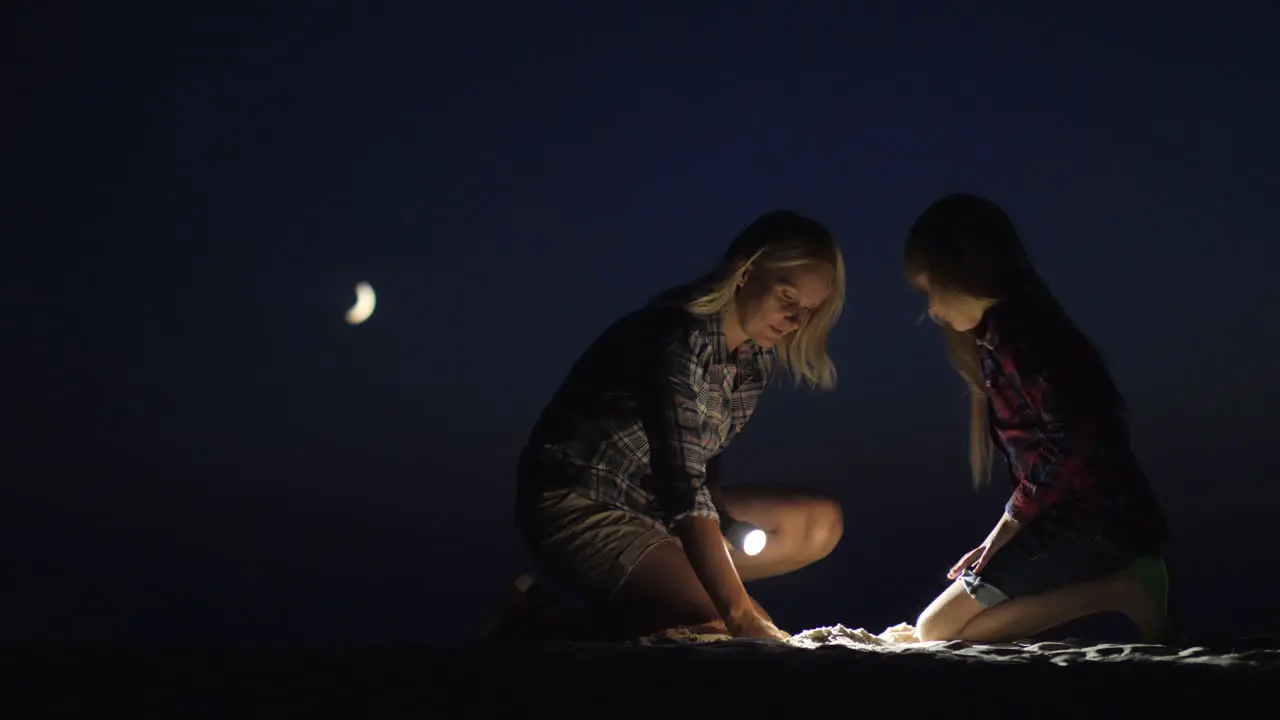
{"type": "Point", "coordinates": [366, 300]}
{"type": "Point", "coordinates": [753, 543]}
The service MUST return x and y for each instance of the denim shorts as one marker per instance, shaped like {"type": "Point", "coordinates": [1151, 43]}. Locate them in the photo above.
{"type": "Point", "coordinates": [1050, 552]}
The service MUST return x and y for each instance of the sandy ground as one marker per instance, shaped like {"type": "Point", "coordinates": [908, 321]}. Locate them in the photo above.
{"type": "Point", "coordinates": [825, 671]}
{"type": "Point", "coordinates": [901, 640]}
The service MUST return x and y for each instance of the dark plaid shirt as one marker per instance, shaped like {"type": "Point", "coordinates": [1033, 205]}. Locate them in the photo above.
{"type": "Point", "coordinates": [1065, 453]}
{"type": "Point", "coordinates": [643, 412]}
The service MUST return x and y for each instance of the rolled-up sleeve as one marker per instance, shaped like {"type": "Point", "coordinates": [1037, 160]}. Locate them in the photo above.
{"type": "Point", "coordinates": [674, 422]}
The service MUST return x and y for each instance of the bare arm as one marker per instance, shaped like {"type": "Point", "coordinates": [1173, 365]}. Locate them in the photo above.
{"type": "Point", "coordinates": [710, 559]}
{"type": "Point", "coordinates": [717, 498]}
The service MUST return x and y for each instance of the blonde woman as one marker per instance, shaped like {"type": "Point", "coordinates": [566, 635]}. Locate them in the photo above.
{"type": "Point", "coordinates": [619, 497]}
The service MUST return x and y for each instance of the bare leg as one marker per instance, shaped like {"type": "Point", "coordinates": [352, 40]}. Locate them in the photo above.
{"type": "Point", "coordinates": [955, 615]}
{"type": "Point", "coordinates": [1027, 616]}
{"type": "Point", "coordinates": [948, 614]}
{"type": "Point", "coordinates": [662, 591]}
{"type": "Point", "coordinates": [803, 526]}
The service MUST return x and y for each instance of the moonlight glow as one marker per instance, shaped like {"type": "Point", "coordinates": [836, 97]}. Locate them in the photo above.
{"type": "Point", "coordinates": [366, 300]}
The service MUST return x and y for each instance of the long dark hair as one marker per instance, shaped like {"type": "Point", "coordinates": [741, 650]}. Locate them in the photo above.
{"type": "Point", "coordinates": [967, 244]}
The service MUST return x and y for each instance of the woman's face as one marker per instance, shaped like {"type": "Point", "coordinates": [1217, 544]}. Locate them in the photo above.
{"type": "Point", "coordinates": [957, 311]}
{"type": "Point", "coordinates": [774, 302]}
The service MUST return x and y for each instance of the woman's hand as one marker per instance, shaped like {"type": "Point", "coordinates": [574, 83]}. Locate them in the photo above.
{"type": "Point", "coordinates": [978, 557]}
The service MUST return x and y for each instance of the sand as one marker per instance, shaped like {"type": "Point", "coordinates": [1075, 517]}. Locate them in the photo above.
{"type": "Point", "coordinates": [834, 670]}
{"type": "Point", "coordinates": [901, 640]}
{"type": "Point", "coordinates": [837, 671]}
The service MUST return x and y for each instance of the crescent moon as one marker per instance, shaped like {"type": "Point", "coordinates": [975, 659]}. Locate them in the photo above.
{"type": "Point", "coordinates": [366, 301]}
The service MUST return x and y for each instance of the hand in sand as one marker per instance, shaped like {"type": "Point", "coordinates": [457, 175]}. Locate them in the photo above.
{"type": "Point", "coordinates": [752, 625]}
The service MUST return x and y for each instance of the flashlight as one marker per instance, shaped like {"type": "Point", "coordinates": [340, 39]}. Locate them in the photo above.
{"type": "Point", "coordinates": [742, 535]}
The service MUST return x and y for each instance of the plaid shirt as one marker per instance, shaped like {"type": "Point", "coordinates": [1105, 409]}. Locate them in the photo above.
{"type": "Point", "coordinates": [644, 411]}
{"type": "Point", "coordinates": [1062, 455]}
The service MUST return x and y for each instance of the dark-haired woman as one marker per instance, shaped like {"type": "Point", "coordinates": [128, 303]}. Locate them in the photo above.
{"type": "Point", "coordinates": [1082, 533]}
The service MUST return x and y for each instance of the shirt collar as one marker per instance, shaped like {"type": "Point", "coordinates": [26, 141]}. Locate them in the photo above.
{"type": "Point", "coordinates": [987, 332]}
{"type": "Point", "coordinates": [720, 346]}
{"type": "Point", "coordinates": [1006, 319]}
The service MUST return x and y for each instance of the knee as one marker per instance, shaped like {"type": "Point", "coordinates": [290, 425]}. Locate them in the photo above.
{"type": "Point", "coordinates": [932, 626]}
{"type": "Point", "coordinates": [928, 629]}
{"type": "Point", "coordinates": [824, 528]}
{"type": "Point", "coordinates": [944, 619]}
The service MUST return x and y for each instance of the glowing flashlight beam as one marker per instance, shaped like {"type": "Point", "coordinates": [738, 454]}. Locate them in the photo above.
{"type": "Point", "coordinates": [742, 535]}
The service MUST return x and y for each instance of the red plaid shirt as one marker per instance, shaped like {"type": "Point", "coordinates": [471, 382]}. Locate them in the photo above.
{"type": "Point", "coordinates": [1065, 453]}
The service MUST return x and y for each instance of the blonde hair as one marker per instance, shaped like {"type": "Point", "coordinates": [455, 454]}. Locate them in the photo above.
{"type": "Point", "coordinates": [783, 239]}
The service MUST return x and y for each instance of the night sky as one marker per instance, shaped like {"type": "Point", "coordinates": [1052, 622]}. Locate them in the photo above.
{"type": "Point", "coordinates": [199, 449]}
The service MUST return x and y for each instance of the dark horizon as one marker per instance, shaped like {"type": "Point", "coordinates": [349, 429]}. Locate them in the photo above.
{"type": "Point", "coordinates": [205, 451]}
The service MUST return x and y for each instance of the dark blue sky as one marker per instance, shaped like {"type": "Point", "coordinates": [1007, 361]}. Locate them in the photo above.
{"type": "Point", "coordinates": [204, 450]}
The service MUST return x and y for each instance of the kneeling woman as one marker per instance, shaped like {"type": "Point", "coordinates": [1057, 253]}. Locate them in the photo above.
{"type": "Point", "coordinates": [1082, 533]}
{"type": "Point", "coordinates": [619, 499]}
